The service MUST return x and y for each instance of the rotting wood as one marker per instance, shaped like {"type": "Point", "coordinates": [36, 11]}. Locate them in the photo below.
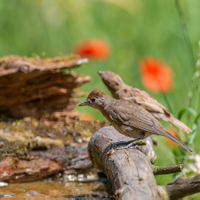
{"type": "Point", "coordinates": [27, 148]}
{"type": "Point", "coordinates": [130, 171]}
{"type": "Point", "coordinates": [14, 170]}
{"type": "Point", "coordinates": [38, 88]}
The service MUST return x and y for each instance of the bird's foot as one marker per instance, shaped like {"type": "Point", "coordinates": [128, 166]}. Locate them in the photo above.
{"type": "Point", "coordinates": [117, 145]}
{"type": "Point", "coordinates": [134, 147]}
{"type": "Point", "coordinates": [110, 152]}
{"type": "Point", "coordinates": [126, 144]}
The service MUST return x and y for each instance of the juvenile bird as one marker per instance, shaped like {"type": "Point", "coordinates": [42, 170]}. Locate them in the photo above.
{"type": "Point", "coordinates": [128, 118]}
{"type": "Point", "coordinates": [120, 90]}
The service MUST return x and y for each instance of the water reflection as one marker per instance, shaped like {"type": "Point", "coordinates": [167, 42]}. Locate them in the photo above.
{"type": "Point", "coordinates": [81, 186]}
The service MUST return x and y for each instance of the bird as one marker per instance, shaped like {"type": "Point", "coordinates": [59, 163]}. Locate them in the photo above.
{"type": "Point", "coordinates": [128, 118]}
{"type": "Point", "coordinates": [120, 90]}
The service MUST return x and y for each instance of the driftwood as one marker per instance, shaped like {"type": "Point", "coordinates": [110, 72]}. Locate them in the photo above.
{"type": "Point", "coordinates": [39, 88]}
{"type": "Point", "coordinates": [130, 170]}
{"type": "Point", "coordinates": [14, 170]}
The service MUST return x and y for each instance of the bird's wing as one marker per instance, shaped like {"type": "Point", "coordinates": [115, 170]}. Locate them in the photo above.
{"type": "Point", "coordinates": [150, 106]}
{"type": "Point", "coordinates": [146, 101]}
{"type": "Point", "coordinates": [135, 116]}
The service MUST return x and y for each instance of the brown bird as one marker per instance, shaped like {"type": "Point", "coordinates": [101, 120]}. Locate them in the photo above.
{"type": "Point", "coordinates": [120, 90]}
{"type": "Point", "coordinates": [128, 118]}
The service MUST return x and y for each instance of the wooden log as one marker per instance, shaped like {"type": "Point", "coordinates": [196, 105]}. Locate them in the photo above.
{"type": "Point", "coordinates": [31, 87]}
{"type": "Point", "coordinates": [129, 170]}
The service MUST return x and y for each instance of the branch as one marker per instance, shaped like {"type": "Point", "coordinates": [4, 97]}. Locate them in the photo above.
{"type": "Point", "coordinates": [158, 170]}
{"type": "Point", "coordinates": [129, 170]}
{"type": "Point", "coordinates": [182, 187]}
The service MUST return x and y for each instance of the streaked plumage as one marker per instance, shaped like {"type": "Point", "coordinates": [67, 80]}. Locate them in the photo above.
{"type": "Point", "coordinates": [120, 90]}
{"type": "Point", "coordinates": [128, 118]}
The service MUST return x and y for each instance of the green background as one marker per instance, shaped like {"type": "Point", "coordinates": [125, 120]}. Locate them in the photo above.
{"type": "Point", "coordinates": [133, 28]}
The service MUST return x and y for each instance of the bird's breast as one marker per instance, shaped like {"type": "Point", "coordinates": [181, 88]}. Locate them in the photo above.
{"type": "Point", "coordinates": [130, 131]}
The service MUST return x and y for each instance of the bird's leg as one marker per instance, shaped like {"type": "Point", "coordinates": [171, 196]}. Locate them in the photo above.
{"type": "Point", "coordinates": [120, 143]}
{"type": "Point", "coordinates": [133, 142]}
{"type": "Point", "coordinates": [125, 144]}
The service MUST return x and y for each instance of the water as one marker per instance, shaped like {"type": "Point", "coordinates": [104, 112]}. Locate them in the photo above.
{"type": "Point", "coordinates": [66, 187]}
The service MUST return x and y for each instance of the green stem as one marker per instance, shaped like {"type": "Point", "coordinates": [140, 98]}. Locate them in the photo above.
{"type": "Point", "coordinates": [198, 94]}
{"type": "Point", "coordinates": [185, 33]}
{"type": "Point", "coordinates": [167, 102]}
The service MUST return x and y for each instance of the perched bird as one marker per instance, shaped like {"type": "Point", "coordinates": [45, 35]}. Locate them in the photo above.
{"type": "Point", "coordinates": [120, 90]}
{"type": "Point", "coordinates": [128, 118]}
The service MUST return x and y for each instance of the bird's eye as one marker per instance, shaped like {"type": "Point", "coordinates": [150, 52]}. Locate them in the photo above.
{"type": "Point", "coordinates": [93, 99]}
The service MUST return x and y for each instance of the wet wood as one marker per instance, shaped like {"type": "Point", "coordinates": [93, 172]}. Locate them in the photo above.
{"type": "Point", "coordinates": [31, 151]}
{"type": "Point", "coordinates": [14, 170]}
{"type": "Point", "coordinates": [39, 88]}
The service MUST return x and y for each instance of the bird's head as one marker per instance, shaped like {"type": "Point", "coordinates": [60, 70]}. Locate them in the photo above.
{"type": "Point", "coordinates": [112, 81]}
{"type": "Point", "coordinates": [96, 99]}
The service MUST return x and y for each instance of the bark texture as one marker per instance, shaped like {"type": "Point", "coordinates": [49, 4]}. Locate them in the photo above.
{"type": "Point", "coordinates": [167, 169]}
{"type": "Point", "coordinates": [128, 170]}
{"type": "Point", "coordinates": [32, 151]}
{"type": "Point", "coordinates": [39, 88]}
{"type": "Point", "coordinates": [14, 170]}
{"type": "Point", "coordinates": [182, 187]}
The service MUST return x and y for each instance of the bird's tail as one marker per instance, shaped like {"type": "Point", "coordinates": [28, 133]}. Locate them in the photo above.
{"type": "Point", "coordinates": [174, 139]}
{"type": "Point", "coordinates": [180, 125]}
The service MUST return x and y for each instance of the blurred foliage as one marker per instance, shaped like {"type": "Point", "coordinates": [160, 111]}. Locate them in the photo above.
{"type": "Point", "coordinates": [132, 28]}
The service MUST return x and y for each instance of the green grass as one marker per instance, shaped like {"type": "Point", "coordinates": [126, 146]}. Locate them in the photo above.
{"type": "Point", "coordinates": [133, 29]}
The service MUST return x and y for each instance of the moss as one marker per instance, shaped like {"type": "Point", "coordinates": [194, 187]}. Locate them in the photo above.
{"type": "Point", "coordinates": [19, 137]}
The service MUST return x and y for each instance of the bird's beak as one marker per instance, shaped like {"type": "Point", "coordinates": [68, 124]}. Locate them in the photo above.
{"type": "Point", "coordinates": [85, 103]}
{"type": "Point", "coordinates": [100, 72]}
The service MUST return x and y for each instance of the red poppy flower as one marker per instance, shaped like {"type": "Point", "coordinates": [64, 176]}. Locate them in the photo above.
{"type": "Point", "coordinates": [93, 49]}
{"type": "Point", "coordinates": [156, 76]}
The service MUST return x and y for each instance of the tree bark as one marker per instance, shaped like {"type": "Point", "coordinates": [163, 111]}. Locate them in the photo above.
{"type": "Point", "coordinates": [39, 88]}
{"type": "Point", "coordinates": [130, 170]}
{"type": "Point", "coordinates": [182, 187]}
